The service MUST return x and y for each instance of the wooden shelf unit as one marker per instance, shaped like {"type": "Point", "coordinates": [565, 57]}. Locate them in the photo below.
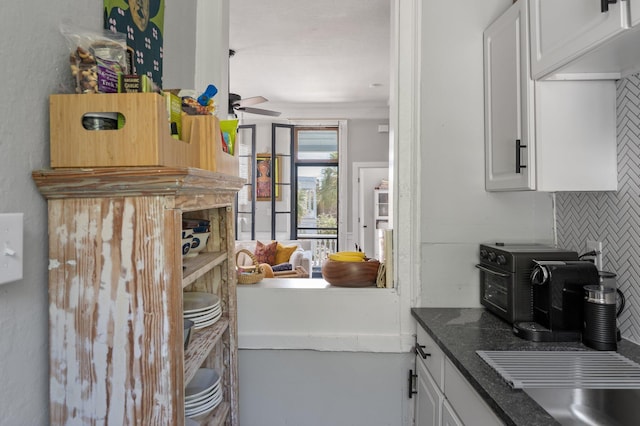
{"type": "Point", "coordinates": [116, 280]}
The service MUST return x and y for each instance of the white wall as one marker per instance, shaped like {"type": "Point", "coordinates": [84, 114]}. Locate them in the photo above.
{"type": "Point", "coordinates": [34, 64]}
{"type": "Point", "coordinates": [310, 388]}
{"type": "Point", "coordinates": [196, 47]}
{"type": "Point", "coordinates": [178, 70]}
{"type": "Point", "coordinates": [456, 212]}
{"type": "Point", "coordinates": [365, 144]}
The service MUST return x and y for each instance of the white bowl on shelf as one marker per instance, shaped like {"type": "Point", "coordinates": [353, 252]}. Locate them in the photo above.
{"type": "Point", "coordinates": [187, 240]}
{"type": "Point", "coordinates": [198, 243]}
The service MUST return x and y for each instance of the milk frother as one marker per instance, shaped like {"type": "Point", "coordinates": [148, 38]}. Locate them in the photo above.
{"type": "Point", "coordinates": [601, 309]}
{"type": "Point", "coordinates": [600, 318]}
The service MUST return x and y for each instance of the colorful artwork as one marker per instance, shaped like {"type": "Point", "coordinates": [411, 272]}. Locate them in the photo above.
{"type": "Point", "coordinates": [264, 181]}
{"type": "Point", "coordinates": [142, 21]}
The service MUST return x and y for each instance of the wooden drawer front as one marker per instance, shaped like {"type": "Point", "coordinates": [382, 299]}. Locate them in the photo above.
{"type": "Point", "coordinates": [435, 360]}
{"type": "Point", "coordinates": [466, 403]}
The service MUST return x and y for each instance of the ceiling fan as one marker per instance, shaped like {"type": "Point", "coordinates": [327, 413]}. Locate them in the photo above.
{"type": "Point", "coordinates": [236, 103]}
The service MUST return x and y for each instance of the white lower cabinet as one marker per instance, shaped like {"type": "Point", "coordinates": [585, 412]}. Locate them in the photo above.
{"type": "Point", "coordinates": [444, 397]}
{"type": "Point", "coordinates": [465, 401]}
{"type": "Point", "coordinates": [429, 398]}
{"type": "Point", "coordinates": [449, 417]}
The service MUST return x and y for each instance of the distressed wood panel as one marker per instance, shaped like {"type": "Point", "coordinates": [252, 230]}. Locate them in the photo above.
{"type": "Point", "coordinates": [116, 282]}
{"type": "Point", "coordinates": [115, 316]}
{"type": "Point", "coordinates": [139, 181]}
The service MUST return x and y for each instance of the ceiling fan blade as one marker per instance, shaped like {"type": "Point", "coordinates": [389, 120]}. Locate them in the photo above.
{"type": "Point", "coordinates": [259, 111]}
{"type": "Point", "coordinates": [254, 100]}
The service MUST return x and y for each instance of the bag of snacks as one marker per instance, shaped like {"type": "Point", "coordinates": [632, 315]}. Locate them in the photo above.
{"type": "Point", "coordinates": [97, 59]}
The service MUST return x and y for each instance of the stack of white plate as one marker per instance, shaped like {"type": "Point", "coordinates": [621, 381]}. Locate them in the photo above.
{"type": "Point", "coordinates": [203, 393]}
{"type": "Point", "coordinates": [202, 308]}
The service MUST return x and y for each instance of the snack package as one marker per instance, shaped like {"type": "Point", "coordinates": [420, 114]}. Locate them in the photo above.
{"type": "Point", "coordinates": [229, 129]}
{"type": "Point", "coordinates": [191, 106]}
{"type": "Point", "coordinates": [97, 59]}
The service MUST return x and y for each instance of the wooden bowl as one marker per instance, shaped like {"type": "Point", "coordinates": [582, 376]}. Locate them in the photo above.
{"type": "Point", "coordinates": [350, 274]}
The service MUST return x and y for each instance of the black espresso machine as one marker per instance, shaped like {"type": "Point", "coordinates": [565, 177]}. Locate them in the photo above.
{"type": "Point", "coordinates": [557, 299]}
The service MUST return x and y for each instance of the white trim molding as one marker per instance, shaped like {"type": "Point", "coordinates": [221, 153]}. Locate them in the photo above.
{"type": "Point", "coordinates": [404, 164]}
{"type": "Point", "coordinates": [382, 343]}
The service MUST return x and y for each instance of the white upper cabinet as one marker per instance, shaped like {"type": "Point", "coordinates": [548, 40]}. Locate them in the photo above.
{"type": "Point", "coordinates": [576, 39]}
{"type": "Point", "coordinates": [543, 135]}
{"type": "Point", "coordinates": [509, 162]}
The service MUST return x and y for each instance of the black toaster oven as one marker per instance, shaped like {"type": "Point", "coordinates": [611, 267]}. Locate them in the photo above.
{"type": "Point", "coordinates": [505, 276]}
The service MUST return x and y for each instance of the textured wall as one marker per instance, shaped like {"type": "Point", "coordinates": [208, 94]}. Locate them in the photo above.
{"type": "Point", "coordinates": [613, 217]}
{"type": "Point", "coordinates": [34, 64]}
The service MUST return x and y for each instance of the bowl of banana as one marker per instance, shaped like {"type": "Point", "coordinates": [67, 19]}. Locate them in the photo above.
{"type": "Point", "coordinates": [350, 269]}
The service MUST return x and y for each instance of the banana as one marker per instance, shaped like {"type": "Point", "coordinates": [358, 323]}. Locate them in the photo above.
{"type": "Point", "coordinates": [352, 253]}
{"type": "Point", "coordinates": [345, 259]}
{"type": "Point", "coordinates": [347, 256]}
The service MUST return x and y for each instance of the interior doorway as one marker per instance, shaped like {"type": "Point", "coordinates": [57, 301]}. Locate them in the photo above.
{"type": "Point", "coordinates": [367, 176]}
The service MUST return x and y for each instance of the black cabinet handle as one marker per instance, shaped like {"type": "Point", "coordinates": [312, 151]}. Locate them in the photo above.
{"type": "Point", "coordinates": [519, 165]}
{"type": "Point", "coordinates": [419, 351]}
{"type": "Point", "coordinates": [412, 389]}
{"type": "Point", "coordinates": [604, 5]}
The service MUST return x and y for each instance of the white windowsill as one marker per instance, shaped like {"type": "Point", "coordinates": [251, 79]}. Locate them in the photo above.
{"type": "Point", "coordinates": [307, 284]}
{"type": "Point", "coordinates": [303, 313]}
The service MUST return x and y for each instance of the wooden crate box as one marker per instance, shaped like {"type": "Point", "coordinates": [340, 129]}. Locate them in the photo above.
{"type": "Point", "coordinates": [144, 140]}
{"type": "Point", "coordinates": [205, 130]}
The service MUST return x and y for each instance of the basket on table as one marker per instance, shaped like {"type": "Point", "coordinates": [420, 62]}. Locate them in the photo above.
{"type": "Point", "coordinates": [251, 274]}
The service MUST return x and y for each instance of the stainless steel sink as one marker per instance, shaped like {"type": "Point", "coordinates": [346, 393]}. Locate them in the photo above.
{"type": "Point", "coordinates": [590, 388]}
{"type": "Point", "coordinates": [610, 407]}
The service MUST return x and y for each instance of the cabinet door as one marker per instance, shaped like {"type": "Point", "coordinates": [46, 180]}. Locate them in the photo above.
{"type": "Point", "coordinates": [509, 142]}
{"type": "Point", "coordinates": [428, 399]}
{"type": "Point", "coordinates": [563, 30]}
{"type": "Point", "coordinates": [469, 406]}
{"type": "Point", "coordinates": [449, 417]}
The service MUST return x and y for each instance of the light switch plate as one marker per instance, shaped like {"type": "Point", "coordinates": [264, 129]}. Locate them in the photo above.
{"type": "Point", "coordinates": [11, 239]}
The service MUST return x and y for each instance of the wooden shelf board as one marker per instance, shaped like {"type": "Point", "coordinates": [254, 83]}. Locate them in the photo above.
{"type": "Point", "coordinates": [217, 417]}
{"type": "Point", "coordinates": [200, 346]}
{"type": "Point", "coordinates": [196, 267]}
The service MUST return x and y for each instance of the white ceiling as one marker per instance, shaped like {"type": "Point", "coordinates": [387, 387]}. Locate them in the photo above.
{"type": "Point", "coordinates": [311, 52]}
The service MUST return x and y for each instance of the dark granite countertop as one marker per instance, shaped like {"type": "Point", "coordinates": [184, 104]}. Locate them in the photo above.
{"type": "Point", "coordinates": [460, 332]}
